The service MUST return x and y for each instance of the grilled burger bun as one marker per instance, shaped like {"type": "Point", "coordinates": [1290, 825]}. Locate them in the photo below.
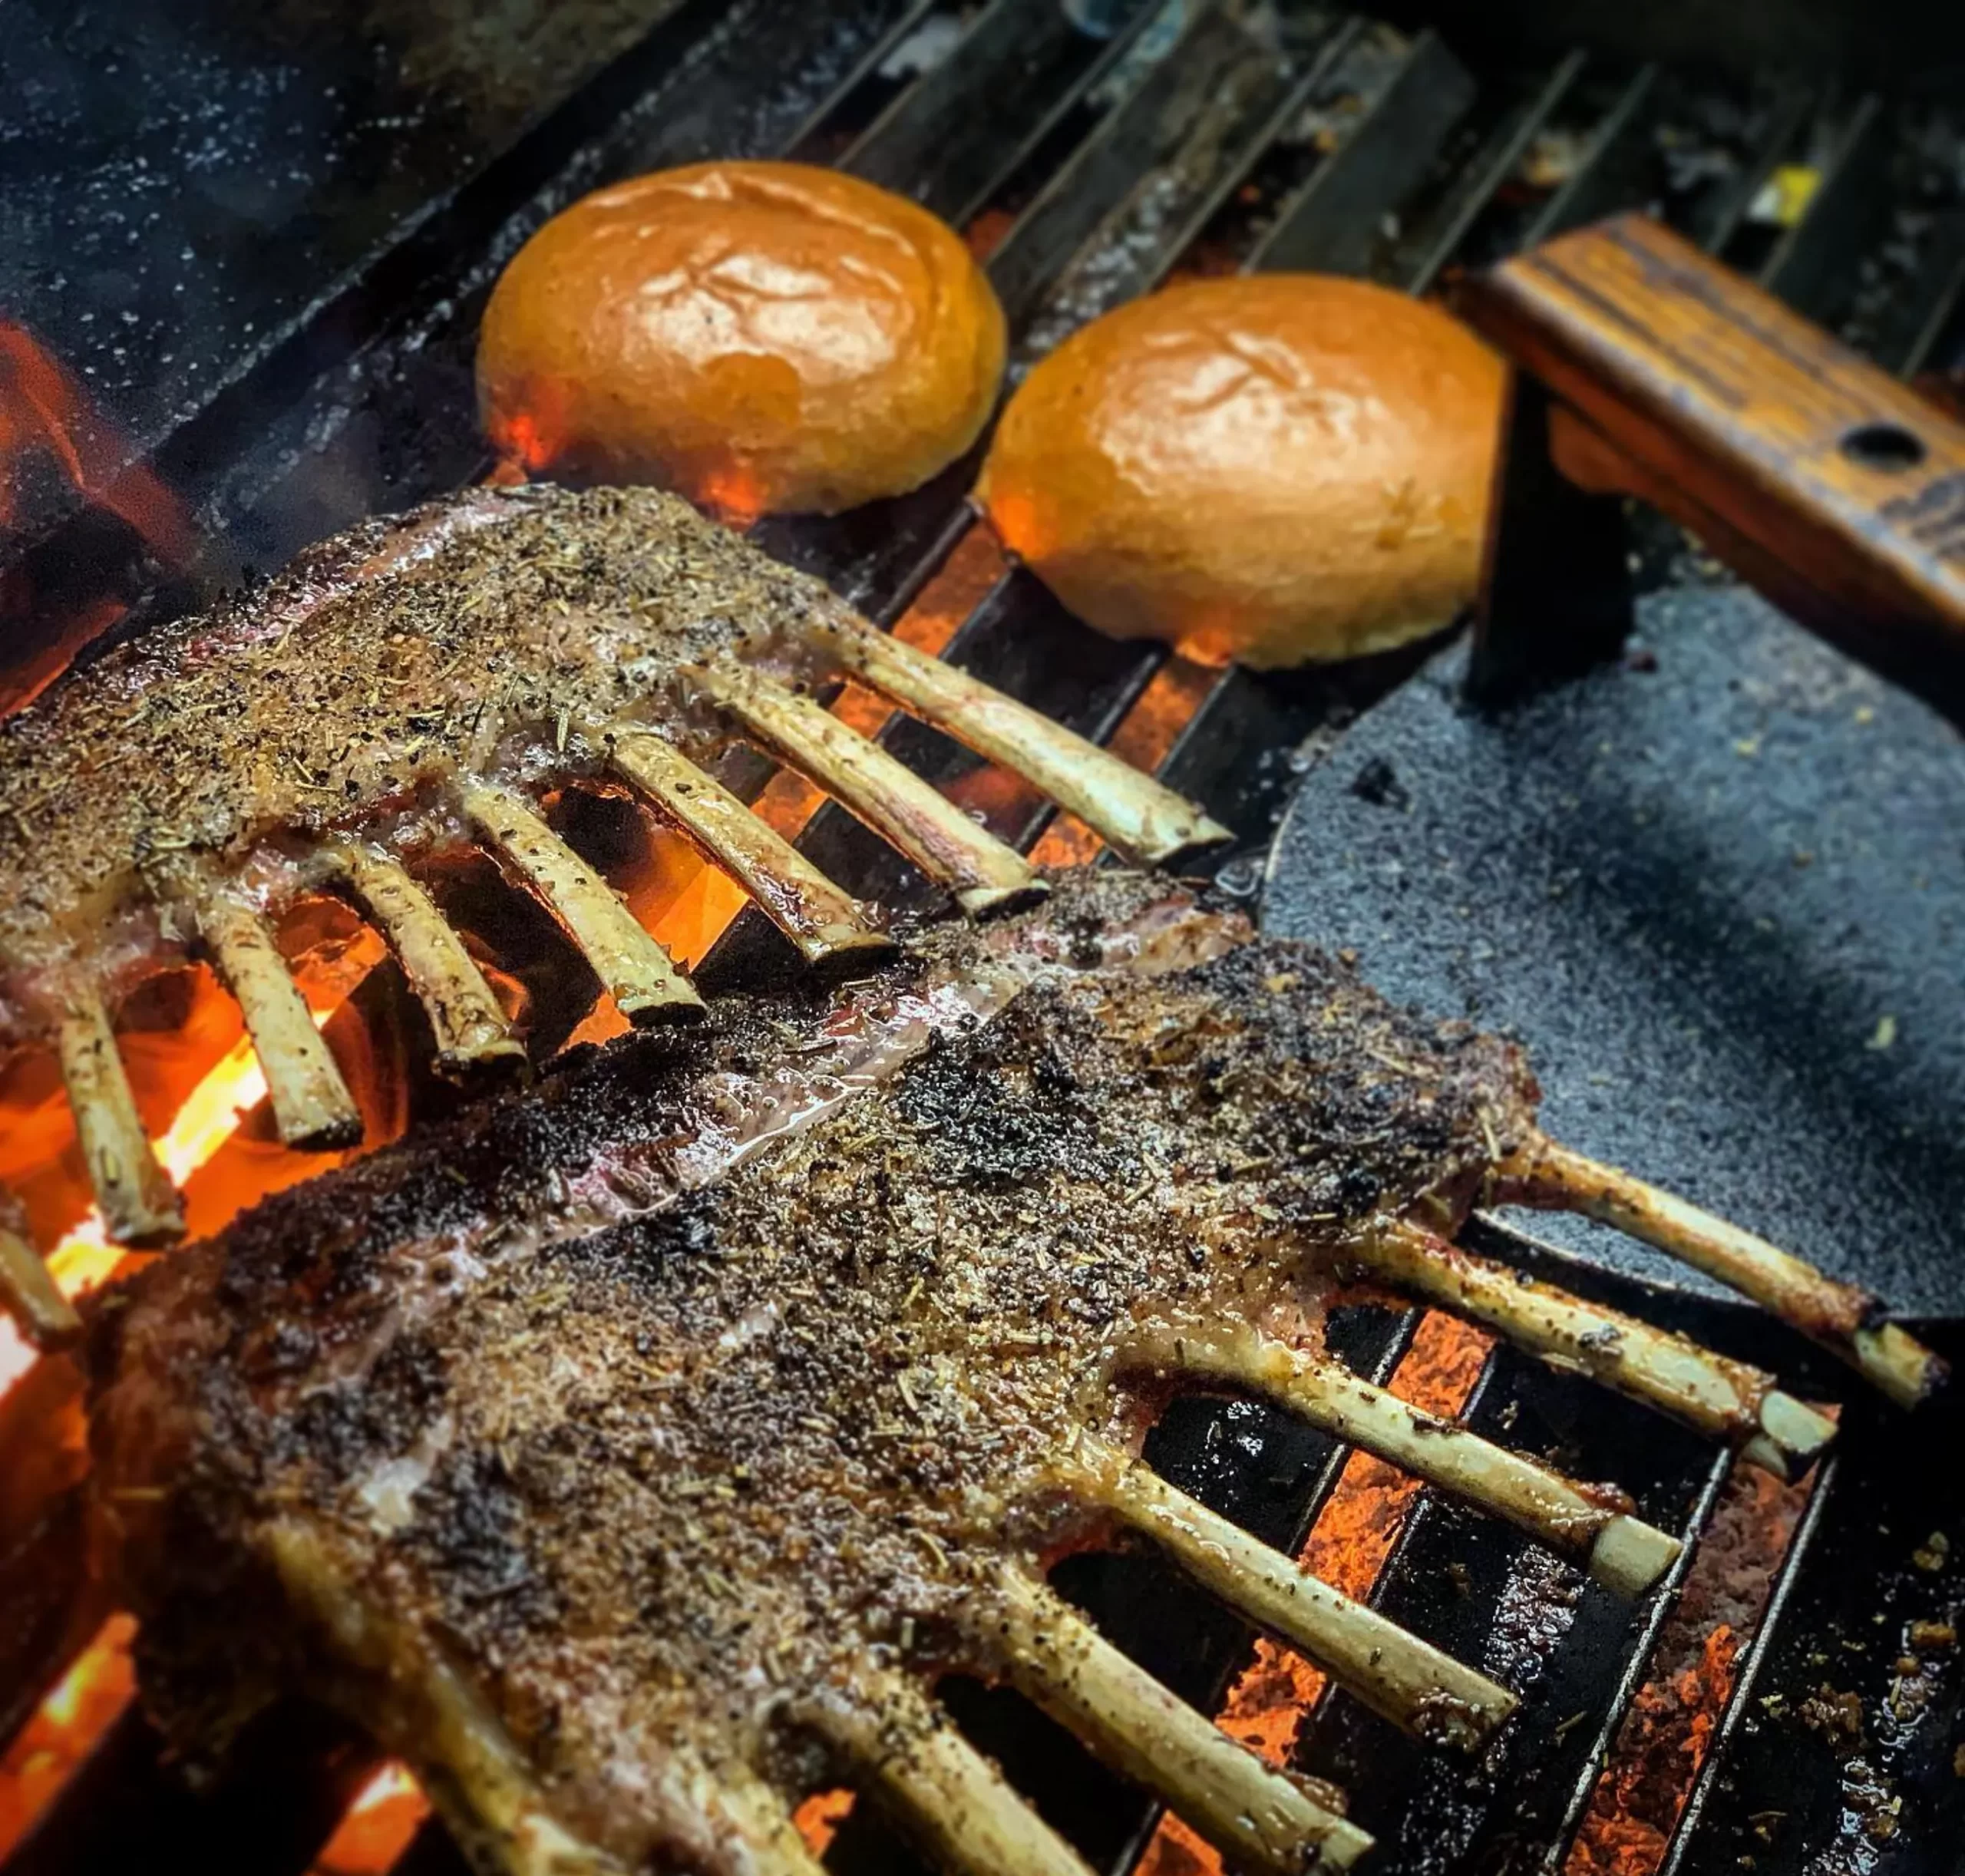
{"type": "Point", "coordinates": [757, 336]}
{"type": "Point", "coordinates": [1272, 470]}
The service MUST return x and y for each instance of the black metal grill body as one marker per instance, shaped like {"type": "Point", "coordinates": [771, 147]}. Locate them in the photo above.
{"type": "Point", "coordinates": [1215, 137]}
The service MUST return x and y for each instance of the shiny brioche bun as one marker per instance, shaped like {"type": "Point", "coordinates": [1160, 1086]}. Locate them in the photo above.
{"type": "Point", "coordinates": [1270, 470]}
{"type": "Point", "coordinates": [757, 336]}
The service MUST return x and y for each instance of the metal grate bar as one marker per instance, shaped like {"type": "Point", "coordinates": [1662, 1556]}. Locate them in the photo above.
{"type": "Point", "coordinates": [1719, 219]}
{"type": "Point", "coordinates": [1607, 178]}
{"type": "Point", "coordinates": [1332, 224]}
{"type": "Point", "coordinates": [1643, 1644]}
{"type": "Point", "coordinates": [1489, 172]}
{"type": "Point", "coordinates": [1933, 303]}
{"type": "Point", "coordinates": [952, 126]}
{"type": "Point", "coordinates": [1139, 134]}
{"type": "Point", "coordinates": [826, 133]}
{"type": "Point", "coordinates": [1086, 92]}
{"type": "Point", "coordinates": [1721, 1755]}
{"type": "Point", "coordinates": [1813, 269]}
{"type": "Point", "coordinates": [1488, 1596]}
{"type": "Point", "coordinates": [1240, 156]}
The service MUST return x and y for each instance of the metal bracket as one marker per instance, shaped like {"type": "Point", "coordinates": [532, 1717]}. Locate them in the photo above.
{"type": "Point", "coordinates": [1555, 589]}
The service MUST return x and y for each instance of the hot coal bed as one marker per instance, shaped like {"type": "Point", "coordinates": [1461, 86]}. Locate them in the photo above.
{"type": "Point", "coordinates": [180, 417]}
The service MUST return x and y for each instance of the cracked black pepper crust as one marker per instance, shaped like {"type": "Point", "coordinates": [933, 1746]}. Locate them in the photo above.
{"type": "Point", "coordinates": [653, 1474]}
{"type": "Point", "coordinates": [364, 674]}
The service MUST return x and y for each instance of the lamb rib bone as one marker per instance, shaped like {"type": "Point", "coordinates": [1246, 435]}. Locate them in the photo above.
{"type": "Point", "coordinates": [822, 921]}
{"type": "Point", "coordinates": [471, 1030]}
{"type": "Point", "coordinates": [1620, 1551]}
{"type": "Point", "coordinates": [635, 971]}
{"type": "Point", "coordinates": [1725, 1399]}
{"type": "Point", "coordinates": [985, 876]}
{"type": "Point", "coordinates": [945, 1794]}
{"type": "Point", "coordinates": [395, 1684]}
{"type": "Point", "coordinates": [1147, 822]}
{"type": "Point", "coordinates": [138, 1204]}
{"type": "Point", "coordinates": [311, 1106]}
{"type": "Point", "coordinates": [1408, 1681]}
{"type": "Point", "coordinates": [1253, 1815]}
{"type": "Point", "coordinates": [1844, 1319]}
{"type": "Point", "coordinates": [28, 1289]}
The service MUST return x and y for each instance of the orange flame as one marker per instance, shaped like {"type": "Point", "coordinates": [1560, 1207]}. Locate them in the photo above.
{"type": "Point", "coordinates": [377, 1828]}
{"type": "Point", "coordinates": [818, 1818]}
{"type": "Point", "coordinates": [733, 493]}
{"type": "Point", "coordinates": [529, 429]}
{"type": "Point", "coordinates": [89, 1699]}
{"type": "Point", "coordinates": [44, 417]}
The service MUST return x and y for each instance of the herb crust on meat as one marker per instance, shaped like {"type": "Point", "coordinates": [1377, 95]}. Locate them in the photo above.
{"type": "Point", "coordinates": [373, 665]}
{"type": "Point", "coordinates": [658, 1399]}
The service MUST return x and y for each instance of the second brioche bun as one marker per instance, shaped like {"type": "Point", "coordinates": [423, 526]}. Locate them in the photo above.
{"type": "Point", "coordinates": [757, 336]}
{"type": "Point", "coordinates": [1270, 470]}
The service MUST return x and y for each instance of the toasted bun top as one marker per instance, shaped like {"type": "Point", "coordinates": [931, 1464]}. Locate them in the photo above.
{"type": "Point", "coordinates": [1271, 469]}
{"type": "Point", "coordinates": [758, 336]}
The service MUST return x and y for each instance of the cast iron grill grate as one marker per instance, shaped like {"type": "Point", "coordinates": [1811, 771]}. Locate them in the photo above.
{"type": "Point", "coordinates": [1200, 138]}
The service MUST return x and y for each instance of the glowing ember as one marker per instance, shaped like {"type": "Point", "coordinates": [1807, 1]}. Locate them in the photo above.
{"type": "Point", "coordinates": [91, 1696]}
{"type": "Point", "coordinates": [1276, 1693]}
{"type": "Point", "coordinates": [377, 1829]}
{"type": "Point", "coordinates": [818, 1818]}
{"type": "Point", "coordinates": [1670, 1729]}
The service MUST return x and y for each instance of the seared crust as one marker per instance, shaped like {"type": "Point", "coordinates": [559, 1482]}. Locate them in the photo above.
{"type": "Point", "coordinates": [656, 1444]}
{"type": "Point", "coordinates": [475, 633]}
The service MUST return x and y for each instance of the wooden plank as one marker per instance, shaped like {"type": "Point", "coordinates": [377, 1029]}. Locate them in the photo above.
{"type": "Point", "coordinates": [1837, 489]}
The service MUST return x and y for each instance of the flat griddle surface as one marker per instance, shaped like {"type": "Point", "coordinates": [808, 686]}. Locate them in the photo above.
{"type": "Point", "coordinates": [1721, 901]}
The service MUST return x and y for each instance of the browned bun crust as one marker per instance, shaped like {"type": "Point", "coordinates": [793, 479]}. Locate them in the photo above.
{"type": "Point", "coordinates": [757, 336]}
{"type": "Point", "coordinates": [1271, 469]}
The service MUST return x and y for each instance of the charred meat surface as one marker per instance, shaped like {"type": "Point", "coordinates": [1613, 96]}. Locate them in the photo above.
{"type": "Point", "coordinates": [653, 1406]}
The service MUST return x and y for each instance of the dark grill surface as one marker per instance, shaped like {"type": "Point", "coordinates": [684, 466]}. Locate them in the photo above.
{"type": "Point", "coordinates": [1195, 137]}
